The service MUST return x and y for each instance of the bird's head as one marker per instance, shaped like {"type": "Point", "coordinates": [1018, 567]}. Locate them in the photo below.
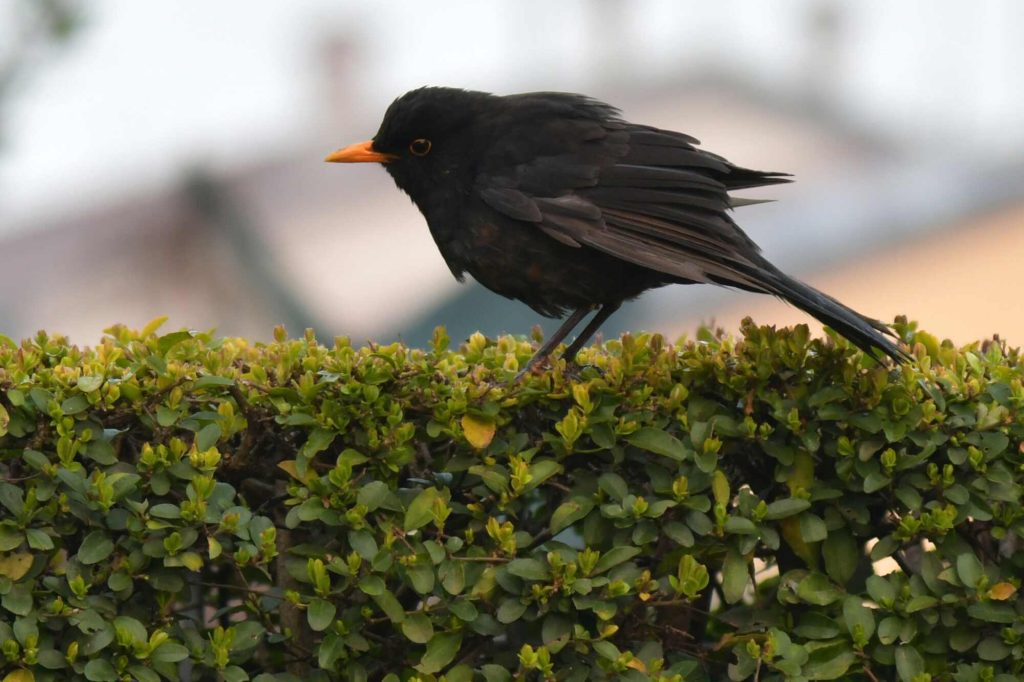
{"type": "Point", "coordinates": [423, 139]}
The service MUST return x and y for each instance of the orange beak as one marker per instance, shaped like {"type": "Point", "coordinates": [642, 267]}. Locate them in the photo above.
{"type": "Point", "coordinates": [361, 152]}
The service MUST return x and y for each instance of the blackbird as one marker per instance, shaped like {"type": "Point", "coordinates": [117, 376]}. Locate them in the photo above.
{"type": "Point", "coordinates": [555, 200]}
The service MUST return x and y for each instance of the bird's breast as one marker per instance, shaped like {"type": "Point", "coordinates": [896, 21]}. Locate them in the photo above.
{"type": "Point", "coordinates": [518, 260]}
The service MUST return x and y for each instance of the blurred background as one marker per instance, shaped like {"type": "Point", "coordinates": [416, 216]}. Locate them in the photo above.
{"type": "Point", "coordinates": [165, 158]}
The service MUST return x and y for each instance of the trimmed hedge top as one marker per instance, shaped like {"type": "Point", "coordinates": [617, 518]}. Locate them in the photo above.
{"type": "Point", "coordinates": [181, 506]}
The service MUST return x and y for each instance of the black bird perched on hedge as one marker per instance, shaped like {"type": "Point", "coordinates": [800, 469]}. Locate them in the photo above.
{"type": "Point", "coordinates": [557, 201]}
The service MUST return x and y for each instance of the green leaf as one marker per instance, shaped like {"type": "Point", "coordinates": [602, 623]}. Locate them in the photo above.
{"type": "Point", "coordinates": [817, 589]}
{"type": "Point", "coordinates": [100, 670]}
{"type": "Point", "coordinates": [10, 538]}
{"type": "Point", "coordinates": [540, 471]}
{"type": "Point", "coordinates": [570, 512]}
{"type": "Point", "coordinates": [320, 614]}
{"type": "Point", "coordinates": [556, 631]}
{"type": "Point", "coordinates": [909, 663]}
{"type": "Point", "coordinates": [992, 612]}
{"type": "Point", "coordinates": [738, 525]}
{"type": "Point", "coordinates": [855, 613]}
{"type": "Point", "coordinates": [17, 600]}
{"type": "Point", "coordinates": [529, 569]}
{"type": "Point", "coordinates": [319, 440]}
{"type": "Point", "coordinates": [89, 382]}
{"type": "Point", "coordinates": [363, 543]}
{"type": "Point", "coordinates": [421, 509]}
{"type": "Point", "coordinates": [143, 674]}
{"type": "Point", "coordinates": [921, 602]}
{"type": "Point", "coordinates": [440, 652]}
{"type": "Point", "coordinates": [373, 494]}
{"type": "Point", "coordinates": [889, 629]}
{"type": "Point", "coordinates": [881, 589]}
{"type": "Point", "coordinates": [96, 547]}
{"type": "Point", "coordinates": [74, 405]}
{"type": "Point", "coordinates": [464, 610]}
{"type": "Point", "coordinates": [169, 652]}
{"type": "Point", "coordinates": [659, 442]}
{"type": "Point", "coordinates": [390, 606]}
{"type": "Point", "coordinates": [132, 626]}
{"type": "Point", "coordinates": [841, 554]}
{"type": "Point", "coordinates": [964, 639]}
{"type": "Point", "coordinates": [969, 568]}
{"type": "Point", "coordinates": [786, 507]}
{"type": "Point", "coordinates": [453, 577]}
{"type": "Point", "coordinates": [992, 649]}
{"type": "Point", "coordinates": [606, 650]}
{"type": "Point", "coordinates": [208, 436]}
{"type": "Point", "coordinates": [372, 585]}
{"type": "Point", "coordinates": [165, 416]}
{"type": "Point", "coordinates": [613, 557]}
{"type": "Point", "coordinates": [812, 528]}
{"type": "Point", "coordinates": [814, 625]}
{"type": "Point", "coordinates": [213, 380]}
{"type": "Point", "coordinates": [830, 662]}
{"type": "Point", "coordinates": [679, 533]}
{"type": "Point", "coordinates": [418, 628]}
{"type": "Point", "coordinates": [52, 659]}
{"type": "Point", "coordinates": [422, 578]}
{"type": "Point", "coordinates": [495, 673]}
{"type": "Point", "coordinates": [735, 576]}
{"type": "Point", "coordinates": [248, 635]}
{"type": "Point", "coordinates": [168, 341]}
{"type": "Point", "coordinates": [13, 498]}
{"type": "Point", "coordinates": [510, 611]}
{"type": "Point", "coordinates": [614, 485]}
{"type": "Point", "coordinates": [165, 510]}
{"type": "Point", "coordinates": [233, 673]}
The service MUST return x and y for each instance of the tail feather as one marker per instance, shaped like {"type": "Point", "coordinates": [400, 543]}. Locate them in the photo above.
{"type": "Point", "coordinates": [870, 335]}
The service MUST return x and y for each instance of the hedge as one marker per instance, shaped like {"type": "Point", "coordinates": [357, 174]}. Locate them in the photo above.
{"type": "Point", "coordinates": [182, 506]}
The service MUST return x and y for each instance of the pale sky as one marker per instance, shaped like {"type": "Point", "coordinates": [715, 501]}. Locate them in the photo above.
{"type": "Point", "coordinates": [149, 87]}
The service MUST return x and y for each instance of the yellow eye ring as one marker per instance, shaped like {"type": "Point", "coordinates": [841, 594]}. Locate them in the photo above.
{"type": "Point", "coordinates": [420, 147]}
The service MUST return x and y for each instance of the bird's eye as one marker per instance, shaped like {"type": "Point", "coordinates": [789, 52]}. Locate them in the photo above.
{"type": "Point", "coordinates": [420, 147]}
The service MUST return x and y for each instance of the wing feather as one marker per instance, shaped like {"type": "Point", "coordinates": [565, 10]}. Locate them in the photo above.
{"type": "Point", "coordinates": [647, 196]}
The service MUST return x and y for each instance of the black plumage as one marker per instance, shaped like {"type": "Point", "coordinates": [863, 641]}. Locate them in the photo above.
{"type": "Point", "coordinates": [555, 200]}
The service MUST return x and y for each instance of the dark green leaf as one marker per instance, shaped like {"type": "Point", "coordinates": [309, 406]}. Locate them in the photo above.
{"type": "Point", "coordinates": [320, 614]}
{"type": "Point", "coordinates": [659, 442]}
{"type": "Point", "coordinates": [390, 606]}
{"type": "Point", "coordinates": [841, 554]}
{"type": "Point", "coordinates": [420, 511]}
{"type": "Point", "coordinates": [614, 557]}
{"type": "Point", "coordinates": [440, 652]}
{"type": "Point", "coordinates": [100, 670]}
{"type": "Point", "coordinates": [909, 663]}
{"type": "Point", "coordinates": [786, 507]}
{"type": "Point", "coordinates": [418, 628]}
{"type": "Point", "coordinates": [735, 576]}
{"type": "Point", "coordinates": [817, 589]}
{"type": "Point", "coordinates": [570, 512]}
{"type": "Point", "coordinates": [74, 405]}
{"type": "Point", "coordinates": [530, 569]}
{"type": "Point", "coordinates": [207, 436]}
{"type": "Point", "coordinates": [96, 547]}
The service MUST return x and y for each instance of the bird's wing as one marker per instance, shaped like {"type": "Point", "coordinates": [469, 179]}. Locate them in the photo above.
{"type": "Point", "coordinates": [644, 195]}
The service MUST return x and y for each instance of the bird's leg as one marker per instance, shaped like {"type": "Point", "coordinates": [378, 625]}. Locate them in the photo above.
{"type": "Point", "coordinates": [544, 351]}
{"type": "Point", "coordinates": [603, 314]}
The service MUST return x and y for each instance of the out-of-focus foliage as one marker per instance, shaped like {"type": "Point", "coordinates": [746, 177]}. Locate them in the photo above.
{"type": "Point", "coordinates": [769, 508]}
